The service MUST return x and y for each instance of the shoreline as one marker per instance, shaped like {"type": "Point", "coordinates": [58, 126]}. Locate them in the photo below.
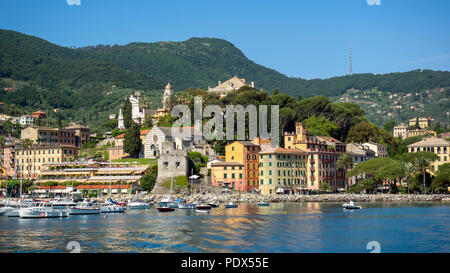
{"type": "Point", "coordinates": [255, 198]}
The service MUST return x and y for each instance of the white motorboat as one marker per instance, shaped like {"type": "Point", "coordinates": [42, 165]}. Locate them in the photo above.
{"type": "Point", "coordinates": [111, 208]}
{"type": "Point", "coordinates": [84, 208]}
{"type": "Point", "coordinates": [42, 211]}
{"type": "Point", "coordinates": [138, 205]}
{"type": "Point", "coordinates": [62, 203]}
{"type": "Point", "coordinates": [350, 205]}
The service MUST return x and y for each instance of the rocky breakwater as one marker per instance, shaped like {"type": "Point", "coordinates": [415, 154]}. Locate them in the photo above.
{"type": "Point", "coordinates": [254, 198]}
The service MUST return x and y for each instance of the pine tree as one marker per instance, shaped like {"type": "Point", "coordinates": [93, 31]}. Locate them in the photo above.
{"type": "Point", "coordinates": [127, 116]}
{"type": "Point", "coordinates": [59, 120]}
{"type": "Point", "coordinates": [132, 141]}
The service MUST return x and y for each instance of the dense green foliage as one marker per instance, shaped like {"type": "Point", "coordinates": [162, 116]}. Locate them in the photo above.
{"type": "Point", "coordinates": [132, 143]}
{"type": "Point", "coordinates": [90, 83]}
{"type": "Point", "coordinates": [442, 180]}
{"type": "Point", "coordinates": [148, 180]}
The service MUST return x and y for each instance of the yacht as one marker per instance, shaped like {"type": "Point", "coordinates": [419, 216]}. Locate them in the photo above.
{"type": "Point", "coordinates": [138, 205]}
{"type": "Point", "coordinates": [110, 207]}
{"type": "Point", "coordinates": [84, 208]}
{"type": "Point", "coordinates": [41, 210]}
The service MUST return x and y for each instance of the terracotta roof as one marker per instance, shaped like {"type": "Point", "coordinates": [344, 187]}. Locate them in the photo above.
{"type": "Point", "coordinates": [279, 150]}
{"type": "Point", "coordinates": [429, 142]}
{"type": "Point", "coordinates": [227, 164]}
{"type": "Point", "coordinates": [143, 133]}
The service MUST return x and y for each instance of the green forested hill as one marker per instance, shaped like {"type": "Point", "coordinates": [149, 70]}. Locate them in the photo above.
{"type": "Point", "coordinates": [80, 78]}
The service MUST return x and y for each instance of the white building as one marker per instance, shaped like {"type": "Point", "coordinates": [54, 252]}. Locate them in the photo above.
{"type": "Point", "coordinates": [137, 113]}
{"type": "Point", "coordinates": [26, 120]}
{"type": "Point", "coordinates": [379, 149]}
{"type": "Point", "coordinates": [401, 130]}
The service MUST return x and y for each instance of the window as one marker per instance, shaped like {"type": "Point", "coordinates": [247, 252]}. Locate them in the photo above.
{"type": "Point", "coordinates": [232, 175]}
{"type": "Point", "coordinates": [224, 175]}
{"type": "Point", "coordinates": [262, 181]}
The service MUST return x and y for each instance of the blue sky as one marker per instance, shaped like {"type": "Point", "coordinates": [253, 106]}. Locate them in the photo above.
{"type": "Point", "coordinates": [307, 39]}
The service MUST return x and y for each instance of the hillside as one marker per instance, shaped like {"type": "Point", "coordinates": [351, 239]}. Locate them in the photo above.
{"type": "Point", "coordinates": [80, 79]}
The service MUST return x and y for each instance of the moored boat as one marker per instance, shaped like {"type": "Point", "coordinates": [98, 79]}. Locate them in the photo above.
{"type": "Point", "coordinates": [230, 205]}
{"type": "Point", "coordinates": [214, 204]}
{"type": "Point", "coordinates": [42, 211]}
{"type": "Point", "coordinates": [263, 204]}
{"type": "Point", "coordinates": [165, 209]}
{"type": "Point", "coordinates": [350, 205]}
{"type": "Point", "coordinates": [84, 208]}
{"type": "Point", "coordinates": [138, 205]}
{"type": "Point", "coordinates": [203, 207]}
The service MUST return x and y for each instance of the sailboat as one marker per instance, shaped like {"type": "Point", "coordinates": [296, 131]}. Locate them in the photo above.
{"type": "Point", "coordinates": [167, 204]}
{"type": "Point", "coordinates": [111, 206]}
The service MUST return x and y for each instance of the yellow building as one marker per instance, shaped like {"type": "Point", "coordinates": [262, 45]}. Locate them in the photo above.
{"type": "Point", "coordinates": [322, 155]}
{"type": "Point", "coordinates": [229, 175]}
{"type": "Point", "coordinates": [439, 146]}
{"type": "Point", "coordinates": [30, 160]}
{"type": "Point", "coordinates": [282, 170]}
{"type": "Point", "coordinates": [423, 122]}
{"type": "Point", "coordinates": [420, 132]}
{"type": "Point", "coordinates": [246, 153]}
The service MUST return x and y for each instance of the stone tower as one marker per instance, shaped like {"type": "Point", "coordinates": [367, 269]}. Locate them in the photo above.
{"type": "Point", "coordinates": [167, 93]}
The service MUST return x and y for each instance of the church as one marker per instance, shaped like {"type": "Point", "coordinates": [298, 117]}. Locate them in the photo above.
{"type": "Point", "coordinates": [139, 113]}
{"type": "Point", "coordinates": [223, 88]}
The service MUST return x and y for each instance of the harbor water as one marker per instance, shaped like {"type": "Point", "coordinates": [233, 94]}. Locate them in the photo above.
{"type": "Point", "coordinates": [280, 227]}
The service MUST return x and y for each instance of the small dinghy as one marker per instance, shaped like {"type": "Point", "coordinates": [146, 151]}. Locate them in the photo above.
{"type": "Point", "coordinates": [214, 205]}
{"type": "Point", "coordinates": [350, 205]}
{"type": "Point", "coordinates": [230, 205]}
{"type": "Point", "coordinates": [263, 204]}
{"type": "Point", "coordinates": [203, 207]}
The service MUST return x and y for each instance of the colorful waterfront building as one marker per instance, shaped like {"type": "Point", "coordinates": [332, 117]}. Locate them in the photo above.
{"type": "Point", "coordinates": [323, 153]}
{"type": "Point", "coordinates": [282, 171]}
{"type": "Point", "coordinates": [229, 175]}
{"type": "Point", "coordinates": [439, 146]}
{"type": "Point", "coordinates": [30, 159]}
{"type": "Point", "coordinates": [246, 153]}
{"type": "Point", "coordinates": [240, 169]}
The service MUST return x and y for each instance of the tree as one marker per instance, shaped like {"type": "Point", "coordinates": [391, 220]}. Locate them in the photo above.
{"type": "Point", "coordinates": [198, 161]}
{"type": "Point", "coordinates": [421, 162]}
{"type": "Point", "coordinates": [148, 180]}
{"type": "Point", "coordinates": [345, 162]}
{"type": "Point", "coordinates": [320, 126]}
{"type": "Point", "coordinates": [441, 181]}
{"type": "Point", "coordinates": [389, 126]}
{"type": "Point", "coordinates": [379, 170]}
{"type": "Point", "coordinates": [127, 115]}
{"type": "Point", "coordinates": [325, 187]}
{"type": "Point", "coordinates": [132, 141]}
{"type": "Point", "coordinates": [59, 120]}
{"type": "Point", "coordinates": [363, 132]}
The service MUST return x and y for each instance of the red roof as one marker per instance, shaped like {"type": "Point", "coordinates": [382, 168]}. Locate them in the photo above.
{"type": "Point", "coordinates": [143, 132]}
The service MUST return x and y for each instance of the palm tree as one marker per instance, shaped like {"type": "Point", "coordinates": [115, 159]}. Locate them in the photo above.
{"type": "Point", "coordinates": [409, 169]}
{"type": "Point", "coordinates": [345, 162]}
{"type": "Point", "coordinates": [421, 162]}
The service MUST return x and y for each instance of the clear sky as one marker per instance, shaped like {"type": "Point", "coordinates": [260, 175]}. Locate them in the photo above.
{"type": "Point", "coordinates": [301, 38]}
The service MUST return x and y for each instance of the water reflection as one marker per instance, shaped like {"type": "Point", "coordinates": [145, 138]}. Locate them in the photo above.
{"type": "Point", "coordinates": [281, 227]}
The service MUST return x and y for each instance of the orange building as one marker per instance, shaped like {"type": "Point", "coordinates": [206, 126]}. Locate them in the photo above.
{"type": "Point", "coordinates": [39, 114]}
